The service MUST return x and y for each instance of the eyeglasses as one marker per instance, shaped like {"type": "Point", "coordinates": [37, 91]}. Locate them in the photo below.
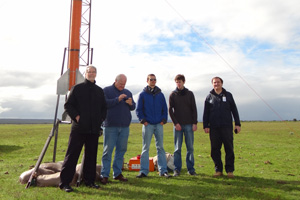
{"type": "Point", "coordinates": [91, 72]}
{"type": "Point", "coordinates": [152, 79]}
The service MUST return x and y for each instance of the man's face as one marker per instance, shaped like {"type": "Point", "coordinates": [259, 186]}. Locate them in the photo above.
{"type": "Point", "coordinates": [151, 80]}
{"type": "Point", "coordinates": [179, 84]}
{"type": "Point", "coordinates": [90, 74]}
{"type": "Point", "coordinates": [217, 84]}
{"type": "Point", "coordinates": [120, 84]}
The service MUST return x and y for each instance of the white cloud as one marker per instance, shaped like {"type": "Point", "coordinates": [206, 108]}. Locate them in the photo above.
{"type": "Point", "coordinates": [257, 42]}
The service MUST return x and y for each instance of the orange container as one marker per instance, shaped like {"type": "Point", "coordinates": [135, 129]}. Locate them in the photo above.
{"type": "Point", "coordinates": [135, 164]}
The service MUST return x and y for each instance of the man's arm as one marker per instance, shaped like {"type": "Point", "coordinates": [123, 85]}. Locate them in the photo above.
{"type": "Point", "coordinates": [70, 105]}
{"type": "Point", "coordinates": [164, 111]}
{"type": "Point", "coordinates": [140, 109]}
{"type": "Point", "coordinates": [171, 109]}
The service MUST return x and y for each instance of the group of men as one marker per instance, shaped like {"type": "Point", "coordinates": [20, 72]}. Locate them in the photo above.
{"type": "Point", "coordinates": [90, 106]}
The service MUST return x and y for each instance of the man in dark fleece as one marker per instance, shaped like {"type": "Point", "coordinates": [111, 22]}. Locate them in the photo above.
{"type": "Point", "coordinates": [183, 112]}
{"type": "Point", "coordinates": [217, 121]}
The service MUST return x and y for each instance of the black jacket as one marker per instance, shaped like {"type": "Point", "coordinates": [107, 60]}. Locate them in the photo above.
{"type": "Point", "coordinates": [86, 100]}
{"type": "Point", "coordinates": [218, 110]}
{"type": "Point", "coordinates": [182, 107]}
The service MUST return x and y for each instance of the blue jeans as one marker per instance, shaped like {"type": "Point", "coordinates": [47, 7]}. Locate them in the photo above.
{"type": "Point", "coordinates": [114, 137]}
{"type": "Point", "coordinates": [148, 131]}
{"type": "Point", "coordinates": [187, 131]}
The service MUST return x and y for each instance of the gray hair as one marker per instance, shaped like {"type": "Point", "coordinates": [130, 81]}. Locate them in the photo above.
{"type": "Point", "coordinates": [90, 66]}
{"type": "Point", "coordinates": [120, 76]}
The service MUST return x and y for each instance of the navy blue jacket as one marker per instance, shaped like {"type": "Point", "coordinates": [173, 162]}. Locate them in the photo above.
{"type": "Point", "coordinates": [118, 113]}
{"type": "Point", "coordinates": [152, 106]}
{"type": "Point", "coordinates": [218, 110]}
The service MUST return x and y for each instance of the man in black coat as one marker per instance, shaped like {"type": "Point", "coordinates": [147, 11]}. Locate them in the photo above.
{"type": "Point", "coordinates": [217, 121]}
{"type": "Point", "coordinates": [86, 106]}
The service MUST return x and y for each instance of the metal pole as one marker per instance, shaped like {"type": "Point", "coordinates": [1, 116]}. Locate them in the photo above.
{"type": "Point", "coordinates": [41, 156]}
{"type": "Point", "coordinates": [55, 127]}
{"type": "Point", "coordinates": [90, 14]}
{"type": "Point", "coordinates": [92, 51]}
{"type": "Point", "coordinates": [55, 140]}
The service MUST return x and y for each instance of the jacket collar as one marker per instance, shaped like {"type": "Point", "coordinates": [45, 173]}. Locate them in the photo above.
{"type": "Point", "coordinates": [152, 91]}
{"type": "Point", "coordinates": [180, 92]}
{"type": "Point", "coordinates": [221, 94]}
{"type": "Point", "coordinates": [89, 82]}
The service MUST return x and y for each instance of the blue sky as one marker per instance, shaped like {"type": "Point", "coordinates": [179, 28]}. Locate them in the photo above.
{"type": "Point", "coordinates": [254, 45]}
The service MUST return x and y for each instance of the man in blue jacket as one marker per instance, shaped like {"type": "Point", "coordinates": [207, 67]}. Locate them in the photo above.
{"type": "Point", "coordinates": [116, 128]}
{"type": "Point", "coordinates": [217, 121]}
{"type": "Point", "coordinates": [152, 112]}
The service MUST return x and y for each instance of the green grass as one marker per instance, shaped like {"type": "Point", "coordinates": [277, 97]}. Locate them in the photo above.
{"type": "Point", "coordinates": [267, 165]}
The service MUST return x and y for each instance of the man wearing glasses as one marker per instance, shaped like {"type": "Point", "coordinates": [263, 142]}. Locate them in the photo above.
{"type": "Point", "coordinates": [152, 112]}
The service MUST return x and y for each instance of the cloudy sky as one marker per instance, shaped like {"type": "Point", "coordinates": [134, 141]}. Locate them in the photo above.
{"type": "Point", "coordinates": [254, 45]}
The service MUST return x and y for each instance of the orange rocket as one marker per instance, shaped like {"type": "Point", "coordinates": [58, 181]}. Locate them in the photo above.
{"type": "Point", "coordinates": [72, 76]}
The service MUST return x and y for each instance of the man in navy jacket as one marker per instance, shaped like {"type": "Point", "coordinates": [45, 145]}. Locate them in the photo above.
{"type": "Point", "coordinates": [217, 121]}
{"type": "Point", "coordinates": [116, 128]}
{"type": "Point", "coordinates": [152, 112]}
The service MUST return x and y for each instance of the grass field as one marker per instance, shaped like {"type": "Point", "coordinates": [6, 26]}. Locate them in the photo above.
{"type": "Point", "coordinates": [267, 165]}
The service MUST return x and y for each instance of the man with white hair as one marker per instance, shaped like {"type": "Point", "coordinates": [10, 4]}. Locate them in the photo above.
{"type": "Point", "coordinates": [116, 128]}
{"type": "Point", "coordinates": [86, 106]}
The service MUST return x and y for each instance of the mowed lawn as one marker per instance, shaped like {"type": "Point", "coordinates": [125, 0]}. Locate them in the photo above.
{"type": "Point", "coordinates": [267, 165]}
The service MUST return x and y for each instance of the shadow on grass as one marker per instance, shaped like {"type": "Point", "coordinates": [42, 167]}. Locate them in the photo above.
{"type": "Point", "coordinates": [9, 148]}
{"type": "Point", "coordinates": [204, 187]}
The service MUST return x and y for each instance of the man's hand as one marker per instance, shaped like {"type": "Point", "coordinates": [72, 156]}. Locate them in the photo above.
{"type": "Point", "coordinates": [238, 128]}
{"type": "Point", "coordinates": [194, 127]}
{"type": "Point", "coordinates": [77, 118]}
{"type": "Point", "coordinates": [122, 96]}
{"type": "Point", "coordinates": [129, 101]}
{"type": "Point", "coordinates": [177, 127]}
{"type": "Point", "coordinates": [206, 130]}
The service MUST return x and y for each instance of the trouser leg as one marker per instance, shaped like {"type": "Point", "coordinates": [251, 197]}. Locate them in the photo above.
{"type": "Point", "coordinates": [227, 137]}
{"type": "Point", "coordinates": [189, 142]}
{"type": "Point", "coordinates": [109, 143]}
{"type": "Point", "coordinates": [178, 137]}
{"type": "Point", "coordinates": [90, 158]}
{"type": "Point", "coordinates": [161, 154]}
{"type": "Point", "coordinates": [121, 148]}
{"type": "Point", "coordinates": [216, 144]}
{"type": "Point", "coordinates": [69, 166]}
{"type": "Point", "coordinates": [147, 136]}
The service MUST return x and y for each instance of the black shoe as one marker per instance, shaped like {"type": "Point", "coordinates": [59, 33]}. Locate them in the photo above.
{"type": "Point", "coordinates": [165, 175]}
{"type": "Point", "coordinates": [92, 185]}
{"type": "Point", "coordinates": [141, 175]}
{"type": "Point", "coordinates": [192, 173]}
{"type": "Point", "coordinates": [67, 188]}
{"type": "Point", "coordinates": [176, 173]}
